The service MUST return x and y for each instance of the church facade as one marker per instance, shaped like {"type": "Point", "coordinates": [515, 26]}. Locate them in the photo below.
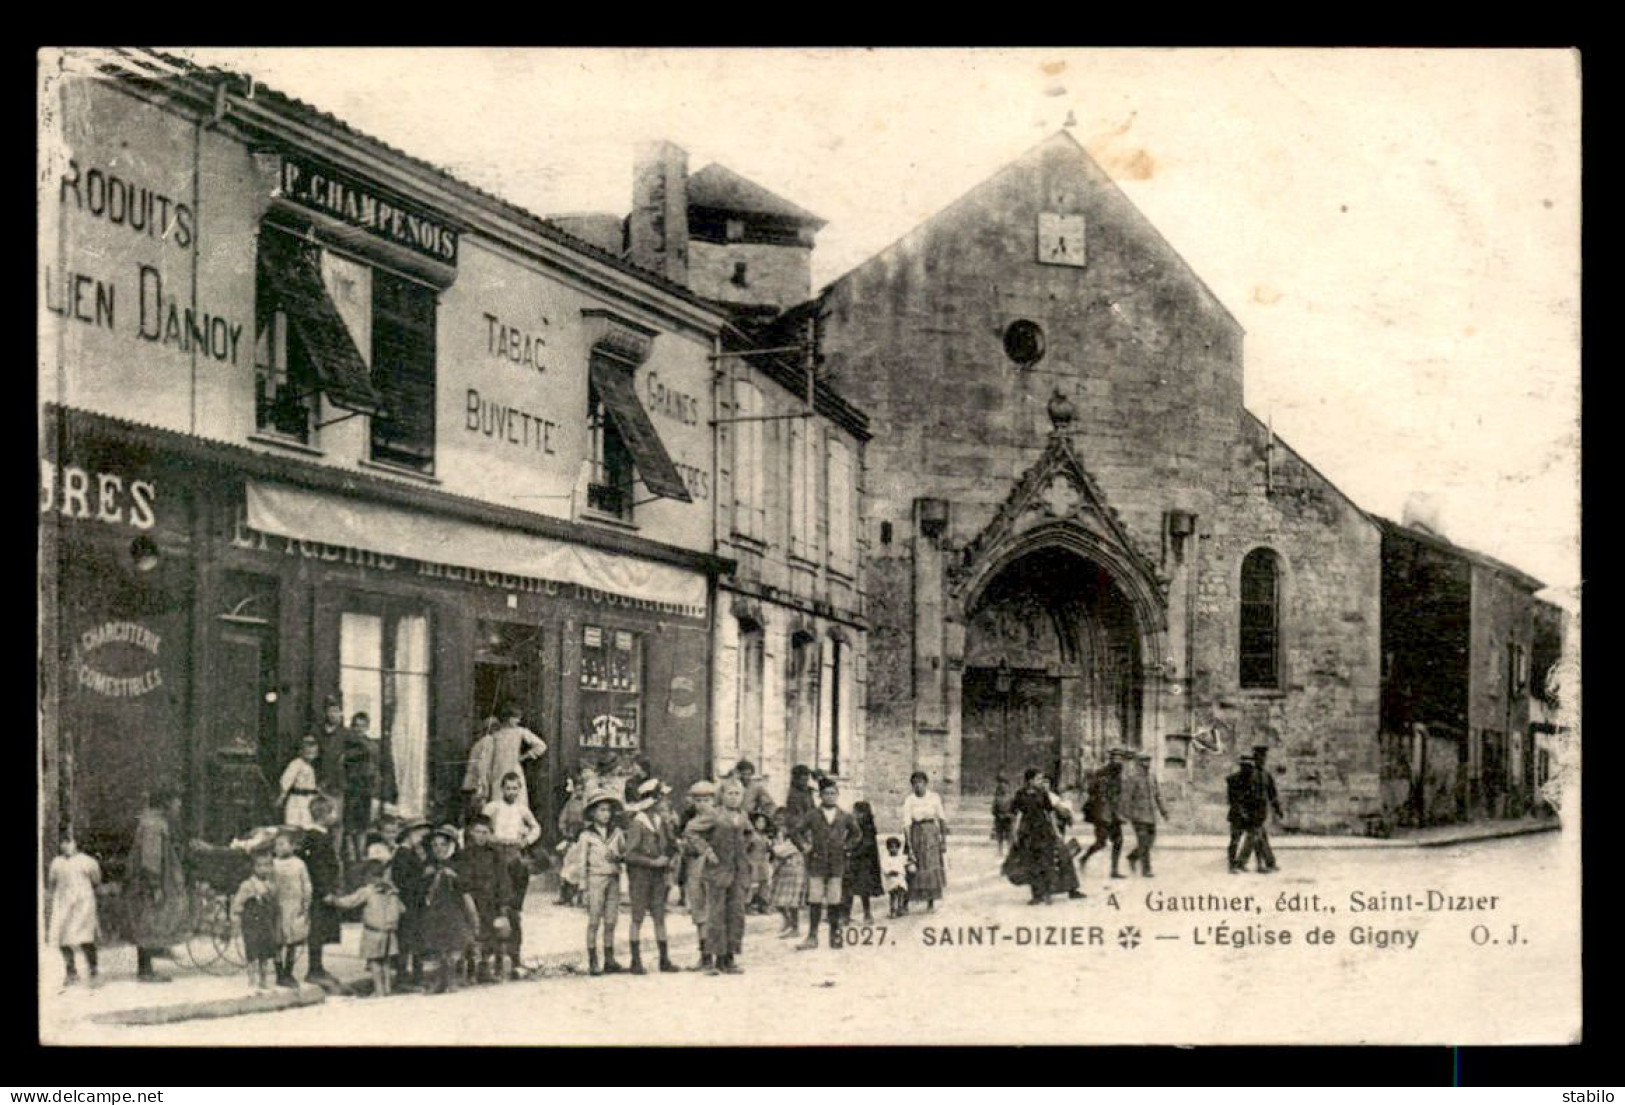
{"type": "Point", "coordinates": [1077, 536]}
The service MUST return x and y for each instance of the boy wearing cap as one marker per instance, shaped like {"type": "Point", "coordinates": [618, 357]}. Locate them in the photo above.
{"type": "Point", "coordinates": [602, 848]}
{"type": "Point", "coordinates": [825, 836]}
{"type": "Point", "coordinates": [486, 881]}
{"type": "Point", "coordinates": [727, 876]}
{"type": "Point", "coordinates": [408, 870]}
{"type": "Point", "coordinates": [697, 824]}
{"type": "Point", "coordinates": [1142, 801]}
{"type": "Point", "coordinates": [650, 841]}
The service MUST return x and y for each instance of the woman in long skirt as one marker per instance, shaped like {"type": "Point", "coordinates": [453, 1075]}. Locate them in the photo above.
{"type": "Point", "coordinates": [1038, 851]}
{"type": "Point", "coordinates": [927, 829]}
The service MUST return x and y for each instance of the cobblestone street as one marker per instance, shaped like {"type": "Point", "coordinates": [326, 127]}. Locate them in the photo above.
{"type": "Point", "coordinates": [1072, 972]}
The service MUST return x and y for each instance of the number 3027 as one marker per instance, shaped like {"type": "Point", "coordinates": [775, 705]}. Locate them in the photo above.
{"type": "Point", "coordinates": [865, 936]}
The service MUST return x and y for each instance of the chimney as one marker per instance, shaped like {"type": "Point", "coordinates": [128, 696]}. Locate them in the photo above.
{"type": "Point", "coordinates": [1422, 511]}
{"type": "Point", "coordinates": [657, 229]}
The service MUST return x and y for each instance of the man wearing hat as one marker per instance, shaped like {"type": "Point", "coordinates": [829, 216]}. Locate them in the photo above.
{"type": "Point", "coordinates": [330, 735]}
{"type": "Point", "coordinates": [1241, 792]}
{"type": "Point", "coordinates": [1142, 802]}
{"type": "Point", "coordinates": [1268, 799]}
{"type": "Point", "coordinates": [757, 799]}
{"type": "Point", "coordinates": [651, 840]}
{"type": "Point", "coordinates": [1100, 809]}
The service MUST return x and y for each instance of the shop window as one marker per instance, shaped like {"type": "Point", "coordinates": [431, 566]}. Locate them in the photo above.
{"type": "Point", "coordinates": [384, 672]}
{"type": "Point", "coordinates": [611, 688]}
{"type": "Point", "coordinates": [1260, 621]}
{"type": "Point", "coordinates": [750, 477]}
{"type": "Point", "coordinates": [609, 489]}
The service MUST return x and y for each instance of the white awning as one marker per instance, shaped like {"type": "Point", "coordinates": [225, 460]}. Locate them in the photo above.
{"type": "Point", "coordinates": [359, 524]}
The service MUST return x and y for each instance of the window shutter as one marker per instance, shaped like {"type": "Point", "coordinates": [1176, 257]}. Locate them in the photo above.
{"type": "Point", "coordinates": [798, 490]}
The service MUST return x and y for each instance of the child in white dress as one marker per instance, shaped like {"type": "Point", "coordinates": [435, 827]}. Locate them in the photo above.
{"type": "Point", "coordinates": [894, 865]}
{"type": "Point", "coordinates": [293, 894]}
{"type": "Point", "coordinates": [298, 785]}
{"type": "Point", "coordinates": [72, 880]}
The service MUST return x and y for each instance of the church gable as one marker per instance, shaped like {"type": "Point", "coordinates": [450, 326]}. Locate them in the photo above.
{"type": "Point", "coordinates": [1058, 489]}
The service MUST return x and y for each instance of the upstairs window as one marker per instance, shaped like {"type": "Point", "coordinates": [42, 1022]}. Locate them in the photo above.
{"type": "Point", "coordinates": [749, 461]}
{"type": "Point", "coordinates": [362, 336]}
{"type": "Point", "coordinates": [403, 370]}
{"type": "Point", "coordinates": [609, 487]}
{"type": "Point", "coordinates": [1260, 620]}
{"type": "Point", "coordinates": [842, 489]}
{"type": "Point", "coordinates": [285, 391]}
{"type": "Point", "coordinates": [806, 489]}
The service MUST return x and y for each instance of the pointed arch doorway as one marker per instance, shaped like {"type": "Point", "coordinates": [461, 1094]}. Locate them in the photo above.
{"type": "Point", "coordinates": [1052, 673]}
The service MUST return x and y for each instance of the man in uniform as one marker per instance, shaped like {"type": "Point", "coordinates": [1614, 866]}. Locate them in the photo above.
{"type": "Point", "coordinates": [1100, 809]}
{"type": "Point", "coordinates": [1268, 800]}
{"type": "Point", "coordinates": [1141, 803]}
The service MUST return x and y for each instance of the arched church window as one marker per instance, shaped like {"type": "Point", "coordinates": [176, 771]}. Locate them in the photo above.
{"type": "Point", "coordinates": [1260, 620]}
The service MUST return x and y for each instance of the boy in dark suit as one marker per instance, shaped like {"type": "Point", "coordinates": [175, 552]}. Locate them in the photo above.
{"type": "Point", "coordinates": [825, 835]}
{"type": "Point", "coordinates": [320, 851]}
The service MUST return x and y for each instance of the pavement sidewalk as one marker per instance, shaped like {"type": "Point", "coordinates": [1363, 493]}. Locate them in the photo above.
{"type": "Point", "coordinates": [555, 937]}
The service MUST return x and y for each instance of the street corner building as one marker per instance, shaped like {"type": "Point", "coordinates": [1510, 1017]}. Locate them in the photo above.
{"type": "Point", "coordinates": [1078, 536]}
{"type": "Point", "coordinates": [318, 418]}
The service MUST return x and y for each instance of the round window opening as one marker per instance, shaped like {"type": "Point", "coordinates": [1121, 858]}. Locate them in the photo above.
{"type": "Point", "coordinates": [1024, 342]}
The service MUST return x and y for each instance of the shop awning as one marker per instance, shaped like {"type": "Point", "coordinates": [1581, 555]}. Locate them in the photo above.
{"type": "Point", "coordinates": [334, 519]}
{"type": "Point", "coordinates": [613, 382]}
{"type": "Point", "coordinates": [294, 276]}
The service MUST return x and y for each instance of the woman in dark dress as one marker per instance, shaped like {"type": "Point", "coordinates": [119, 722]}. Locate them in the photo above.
{"type": "Point", "coordinates": [862, 864]}
{"type": "Point", "coordinates": [1036, 856]}
{"type": "Point", "coordinates": [409, 871]}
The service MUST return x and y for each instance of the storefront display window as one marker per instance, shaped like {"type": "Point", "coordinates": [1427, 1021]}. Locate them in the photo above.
{"type": "Point", "coordinates": [611, 688]}
{"type": "Point", "coordinates": [384, 672]}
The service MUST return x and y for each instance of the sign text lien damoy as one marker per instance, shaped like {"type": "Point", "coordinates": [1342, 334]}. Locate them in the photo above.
{"type": "Point", "coordinates": [348, 199]}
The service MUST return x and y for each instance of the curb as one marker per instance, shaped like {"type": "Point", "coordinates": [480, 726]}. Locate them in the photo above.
{"type": "Point", "coordinates": [1313, 841]}
{"type": "Point", "coordinates": [268, 1002]}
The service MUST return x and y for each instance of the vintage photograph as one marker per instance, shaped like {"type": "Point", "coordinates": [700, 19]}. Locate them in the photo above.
{"type": "Point", "coordinates": [808, 546]}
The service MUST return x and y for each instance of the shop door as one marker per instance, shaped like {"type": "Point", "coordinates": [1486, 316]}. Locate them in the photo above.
{"type": "Point", "coordinates": [243, 769]}
{"type": "Point", "coordinates": [507, 667]}
{"type": "Point", "coordinates": [1010, 721]}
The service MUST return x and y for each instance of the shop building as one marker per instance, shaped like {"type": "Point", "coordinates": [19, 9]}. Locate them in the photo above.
{"type": "Point", "coordinates": [790, 664]}
{"type": "Point", "coordinates": [317, 417]}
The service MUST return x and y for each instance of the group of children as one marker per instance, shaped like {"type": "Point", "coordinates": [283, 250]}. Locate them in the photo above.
{"type": "Point", "coordinates": [727, 852]}
{"type": "Point", "coordinates": [424, 895]}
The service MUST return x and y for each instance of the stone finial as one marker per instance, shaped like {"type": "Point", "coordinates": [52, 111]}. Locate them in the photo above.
{"type": "Point", "coordinates": [1061, 412]}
